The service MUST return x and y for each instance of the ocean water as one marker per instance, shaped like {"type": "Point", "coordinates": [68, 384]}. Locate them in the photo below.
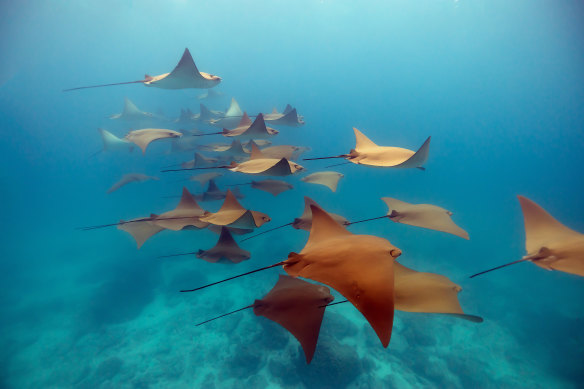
{"type": "Point", "coordinates": [497, 84]}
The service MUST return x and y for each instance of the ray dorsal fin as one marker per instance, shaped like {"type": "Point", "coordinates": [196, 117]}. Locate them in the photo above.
{"type": "Point", "coordinates": [236, 147]}
{"type": "Point", "coordinates": [541, 228]}
{"type": "Point", "coordinates": [186, 67]}
{"type": "Point", "coordinates": [256, 153]}
{"type": "Point", "coordinates": [187, 201]}
{"type": "Point", "coordinates": [213, 186]}
{"type": "Point", "coordinates": [130, 108]}
{"type": "Point", "coordinates": [362, 142]}
{"type": "Point", "coordinates": [205, 113]}
{"type": "Point", "coordinates": [323, 227]}
{"type": "Point", "coordinates": [258, 127]}
{"type": "Point", "coordinates": [230, 203]}
{"type": "Point", "coordinates": [307, 214]}
{"type": "Point", "coordinates": [419, 157]}
{"type": "Point", "coordinates": [245, 121]}
{"type": "Point", "coordinates": [233, 109]}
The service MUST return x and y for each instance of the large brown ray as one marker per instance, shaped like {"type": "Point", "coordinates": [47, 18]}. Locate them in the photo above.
{"type": "Point", "coordinates": [232, 214]}
{"type": "Point", "coordinates": [131, 177]}
{"type": "Point", "coordinates": [328, 178]}
{"type": "Point", "coordinates": [423, 215]}
{"type": "Point", "coordinates": [226, 250]}
{"type": "Point", "coordinates": [549, 244]}
{"type": "Point", "coordinates": [185, 75]}
{"type": "Point", "coordinates": [259, 164]}
{"type": "Point", "coordinates": [287, 118]}
{"type": "Point", "coordinates": [142, 138]}
{"type": "Point", "coordinates": [368, 153]}
{"type": "Point", "coordinates": [360, 267]}
{"type": "Point", "coordinates": [141, 229]}
{"type": "Point", "coordinates": [186, 213]}
{"type": "Point", "coordinates": [296, 305]}
{"type": "Point", "coordinates": [427, 292]}
{"type": "Point", "coordinates": [255, 130]}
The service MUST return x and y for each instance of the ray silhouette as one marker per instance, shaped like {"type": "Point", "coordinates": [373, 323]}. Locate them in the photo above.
{"type": "Point", "coordinates": [287, 118]}
{"type": "Point", "coordinates": [210, 94]}
{"type": "Point", "coordinates": [549, 244]}
{"type": "Point", "coordinates": [132, 113]}
{"type": "Point", "coordinates": [185, 75]}
{"type": "Point", "coordinates": [275, 187]}
{"type": "Point", "coordinates": [328, 179]}
{"type": "Point", "coordinates": [246, 130]}
{"type": "Point", "coordinates": [131, 177]}
{"type": "Point", "coordinates": [297, 306]}
{"type": "Point", "coordinates": [360, 267]}
{"type": "Point", "coordinates": [141, 229]}
{"type": "Point", "coordinates": [226, 250]}
{"type": "Point", "coordinates": [368, 153]}
{"type": "Point", "coordinates": [232, 117]}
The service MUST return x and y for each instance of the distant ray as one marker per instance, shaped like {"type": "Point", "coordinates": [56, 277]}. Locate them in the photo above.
{"type": "Point", "coordinates": [287, 118]}
{"type": "Point", "coordinates": [132, 113]}
{"type": "Point", "coordinates": [142, 138]}
{"type": "Point", "coordinates": [184, 75]}
{"type": "Point", "coordinates": [226, 250]}
{"type": "Point", "coordinates": [328, 179]}
{"type": "Point", "coordinates": [274, 187]}
{"type": "Point", "coordinates": [131, 177]}
{"type": "Point", "coordinates": [210, 94]}
{"type": "Point", "coordinates": [232, 117]}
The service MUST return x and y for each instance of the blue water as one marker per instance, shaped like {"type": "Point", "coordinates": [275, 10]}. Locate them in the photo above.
{"type": "Point", "coordinates": [497, 84]}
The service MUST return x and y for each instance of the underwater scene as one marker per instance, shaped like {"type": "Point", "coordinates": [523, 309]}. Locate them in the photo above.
{"type": "Point", "coordinates": [292, 194]}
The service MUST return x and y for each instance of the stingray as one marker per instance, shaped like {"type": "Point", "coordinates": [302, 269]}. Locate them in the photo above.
{"type": "Point", "coordinates": [205, 114]}
{"type": "Point", "coordinates": [281, 151]}
{"type": "Point", "coordinates": [204, 178]}
{"type": "Point", "coordinates": [198, 161]}
{"type": "Point", "coordinates": [274, 187]}
{"type": "Point", "coordinates": [360, 267]}
{"type": "Point", "coordinates": [232, 117]}
{"type": "Point", "coordinates": [141, 229]}
{"type": "Point", "coordinates": [304, 222]}
{"type": "Point", "coordinates": [423, 215]}
{"type": "Point", "coordinates": [247, 130]}
{"type": "Point", "coordinates": [131, 177]}
{"type": "Point", "coordinates": [368, 153]}
{"type": "Point", "coordinates": [258, 142]}
{"type": "Point", "coordinates": [185, 75]}
{"type": "Point", "coordinates": [142, 138]}
{"type": "Point", "coordinates": [186, 214]}
{"type": "Point", "coordinates": [328, 179]}
{"type": "Point", "coordinates": [232, 214]}
{"type": "Point", "coordinates": [296, 305]}
{"type": "Point", "coordinates": [226, 250]}
{"type": "Point", "coordinates": [549, 244]}
{"type": "Point", "coordinates": [428, 293]}
{"type": "Point", "coordinates": [234, 231]}
{"type": "Point", "coordinates": [287, 118]}
{"type": "Point", "coordinates": [113, 143]}
{"type": "Point", "coordinates": [210, 94]}
{"type": "Point", "coordinates": [214, 193]}
{"type": "Point", "coordinates": [132, 113]}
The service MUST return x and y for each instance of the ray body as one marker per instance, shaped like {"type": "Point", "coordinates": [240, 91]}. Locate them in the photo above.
{"type": "Point", "coordinates": [247, 131]}
{"type": "Point", "coordinates": [259, 164]}
{"type": "Point", "coordinates": [423, 215]}
{"type": "Point", "coordinates": [204, 178]}
{"type": "Point", "coordinates": [427, 292]}
{"type": "Point", "coordinates": [287, 118]}
{"type": "Point", "coordinates": [275, 187]}
{"type": "Point", "coordinates": [226, 250]}
{"type": "Point", "coordinates": [214, 193]}
{"type": "Point", "coordinates": [187, 213]}
{"type": "Point", "coordinates": [199, 161]}
{"type": "Point", "coordinates": [368, 153]}
{"type": "Point", "coordinates": [281, 151]}
{"type": "Point", "coordinates": [259, 143]}
{"type": "Point", "coordinates": [184, 75]}
{"type": "Point", "coordinates": [328, 179]}
{"type": "Point", "coordinates": [360, 267]}
{"type": "Point", "coordinates": [232, 214]}
{"type": "Point", "coordinates": [132, 113]}
{"type": "Point", "coordinates": [142, 138]}
{"type": "Point", "coordinates": [131, 177]}
{"type": "Point", "coordinates": [141, 229]}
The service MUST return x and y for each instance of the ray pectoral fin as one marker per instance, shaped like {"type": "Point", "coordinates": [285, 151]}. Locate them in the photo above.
{"type": "Point", "coordinates": [419, 157]}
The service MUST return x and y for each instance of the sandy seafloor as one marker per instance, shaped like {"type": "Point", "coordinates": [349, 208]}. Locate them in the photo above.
{"type": "Point", "coordinates": [496, 85]}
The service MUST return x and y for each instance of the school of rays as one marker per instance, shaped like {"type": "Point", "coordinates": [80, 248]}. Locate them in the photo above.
{"type": "Point", "coordinates": [364, 269]}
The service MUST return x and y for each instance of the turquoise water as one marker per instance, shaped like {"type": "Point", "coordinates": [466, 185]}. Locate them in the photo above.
{"type": "Point", "coordinates": [497, 84]}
